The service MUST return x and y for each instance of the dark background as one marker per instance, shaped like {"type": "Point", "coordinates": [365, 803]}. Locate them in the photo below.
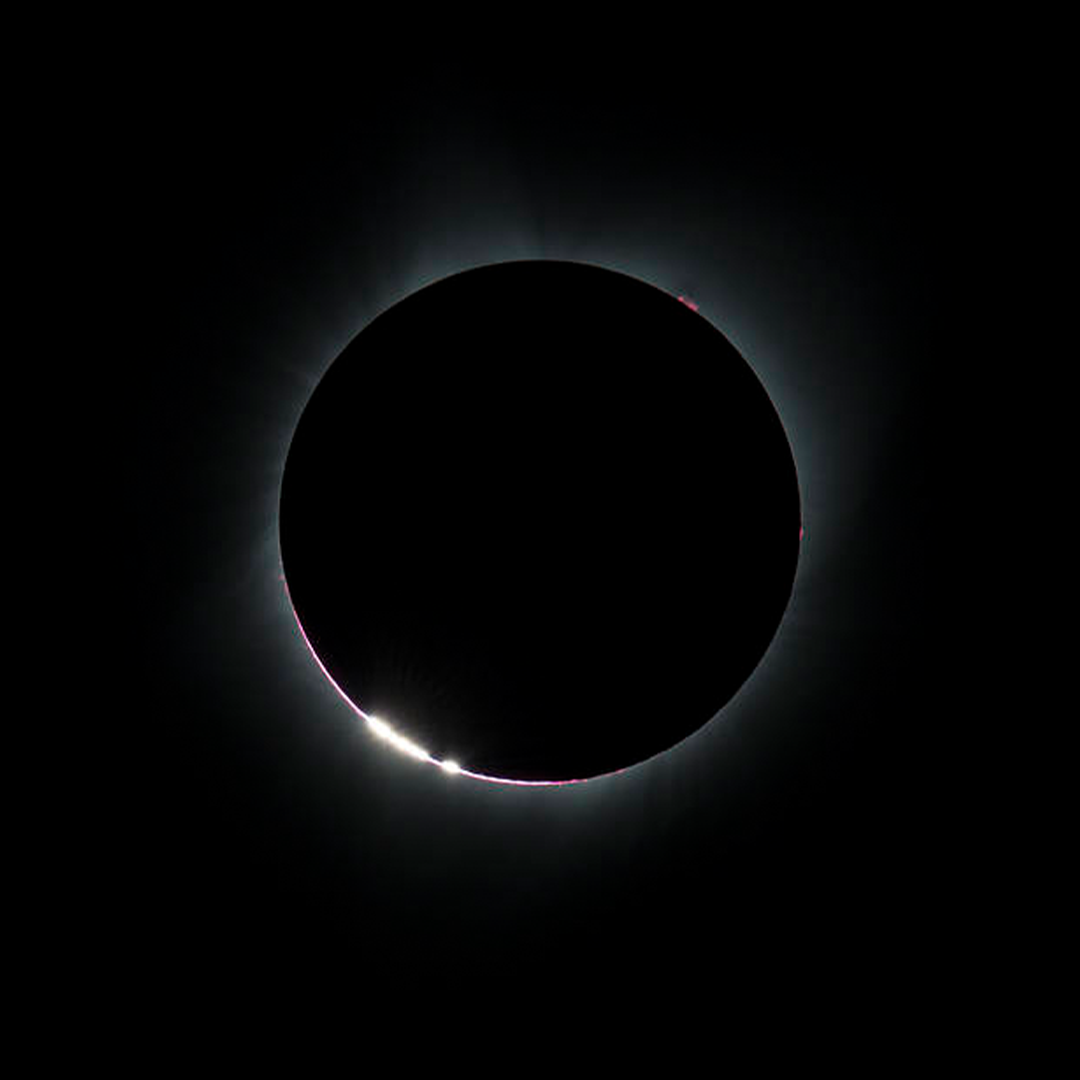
{"type": "Point", "coordinates": [252, 823]}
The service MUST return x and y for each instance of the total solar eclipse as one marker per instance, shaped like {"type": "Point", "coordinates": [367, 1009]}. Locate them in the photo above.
{"type": "Point", "coordinates": [539, 522]}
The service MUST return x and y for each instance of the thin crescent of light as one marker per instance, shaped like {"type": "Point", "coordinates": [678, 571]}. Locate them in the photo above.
{"type": "Point", "coordinates": [387, 734]}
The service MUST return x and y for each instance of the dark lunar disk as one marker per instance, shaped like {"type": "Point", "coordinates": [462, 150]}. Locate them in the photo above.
{"type": "Point", "coordinates": [541, 518]}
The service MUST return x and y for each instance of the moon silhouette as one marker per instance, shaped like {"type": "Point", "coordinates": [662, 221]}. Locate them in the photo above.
{"type": "Point", "coordinates": [539, 521]}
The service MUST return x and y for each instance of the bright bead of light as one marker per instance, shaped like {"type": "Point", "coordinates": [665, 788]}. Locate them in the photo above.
{"type": "Point", "coordinates": [379, 727]}
{"type": "Point", "coordinates": [384, 731]}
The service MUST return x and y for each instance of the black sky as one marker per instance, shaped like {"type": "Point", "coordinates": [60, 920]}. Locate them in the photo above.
{"type": "Point", "coordinates": [255, 821]}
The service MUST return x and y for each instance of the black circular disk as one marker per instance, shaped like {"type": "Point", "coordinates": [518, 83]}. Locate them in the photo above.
{"type": "Point", "coordinates": [541, 518]}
